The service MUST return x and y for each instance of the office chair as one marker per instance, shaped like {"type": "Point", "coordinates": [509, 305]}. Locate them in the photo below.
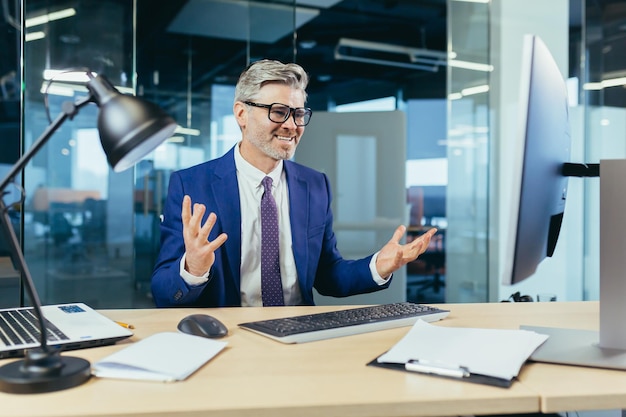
{"type": "Point", "coordinates": [427, 203]}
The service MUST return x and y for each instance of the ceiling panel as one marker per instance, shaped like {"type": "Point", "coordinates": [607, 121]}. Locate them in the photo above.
{"type": "Point", "coordinates": [239, 20]}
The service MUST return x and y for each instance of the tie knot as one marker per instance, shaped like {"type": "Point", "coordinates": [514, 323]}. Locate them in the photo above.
{"type": "Point", "coordinates": [267, 184]}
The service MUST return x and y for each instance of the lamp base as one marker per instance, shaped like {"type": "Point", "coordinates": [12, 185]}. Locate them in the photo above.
{"type": "Point", "coordinates": [43, 372]}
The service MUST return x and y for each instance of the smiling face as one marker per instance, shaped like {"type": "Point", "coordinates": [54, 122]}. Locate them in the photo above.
{"type": "Point", "coordinates": [265, 142]}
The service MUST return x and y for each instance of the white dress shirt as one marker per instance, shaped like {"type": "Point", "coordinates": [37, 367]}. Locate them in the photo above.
{"type": "Point", "coordinates": [250, 193]}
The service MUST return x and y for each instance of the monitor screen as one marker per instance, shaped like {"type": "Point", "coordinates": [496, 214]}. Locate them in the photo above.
{"type": "Point", "coordinates": [542, 147]}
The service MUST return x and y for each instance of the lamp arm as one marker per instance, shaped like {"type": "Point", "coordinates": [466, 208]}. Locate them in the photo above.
{"type": "Point", "coordinates": [69, 110]}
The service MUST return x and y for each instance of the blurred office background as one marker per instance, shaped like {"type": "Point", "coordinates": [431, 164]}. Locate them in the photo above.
{"type": "Point", "coordinates": [415, 106]}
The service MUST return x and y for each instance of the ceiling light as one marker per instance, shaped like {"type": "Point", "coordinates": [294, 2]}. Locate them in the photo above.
{"type": "Point", "coordinates": [187, 131]}
{"type": "Point", "coordinates": [310, 44]}
{"type": "Point", "coordinates": [176, 139]}
{"type": "Point", "coordinates": [396, 55]}
{"type": "Point", "coordinates": [33, 36]}
{"type": "Point", "coordinates": [66, 76]}
{"type": "Point", "coordinates": [68, 90]}
{"type": "Point", "coordinates": [470, 65]}
{"type": "Point", "coordinates": [475, 90]}
{"type": "Point", "coordinates": [60, 90]}
{"type": "Point", "coordinates": [49, 17]}
{"type": "Point", "coordinates": [611, 82]}
{"type": "Point", "coordinates": [67, 83]}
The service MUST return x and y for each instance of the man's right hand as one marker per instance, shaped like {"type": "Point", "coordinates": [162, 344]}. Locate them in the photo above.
{"type": "Point", "coordinates": [200, 252]}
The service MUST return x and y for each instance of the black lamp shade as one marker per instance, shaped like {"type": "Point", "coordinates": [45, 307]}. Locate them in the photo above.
{"type": "Point", "coordinates": [129, 127]}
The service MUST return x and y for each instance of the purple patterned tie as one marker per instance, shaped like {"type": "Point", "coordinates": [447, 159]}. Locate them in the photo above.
{"type": "Point", "coordinates": [271, 285]}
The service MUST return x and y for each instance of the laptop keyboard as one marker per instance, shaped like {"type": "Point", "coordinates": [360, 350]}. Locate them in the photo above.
{"type": "Point", "coordinates": [20, 326]}
{"type": "Point", "coordinates": [311, 327]}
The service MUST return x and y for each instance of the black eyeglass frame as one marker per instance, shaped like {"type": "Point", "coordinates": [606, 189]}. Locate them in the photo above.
{"type": "Point", "coordinates": [292, 112]}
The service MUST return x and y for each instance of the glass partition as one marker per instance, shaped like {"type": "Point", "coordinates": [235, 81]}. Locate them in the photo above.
{"type": "Point", "coordinates": [78, 225]}
{"type": "Point", "coordinates": [469, 146]}
{"type": "Point", "coordinates": [602, 91]}
{"type": "Point", "coordinates": [10, 117]}
{"type": "Point", "coordinates": [93, 235]}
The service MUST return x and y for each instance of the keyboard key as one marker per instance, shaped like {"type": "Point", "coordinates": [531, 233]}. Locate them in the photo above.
{"type": "Point", "coordinates": [22, 327]}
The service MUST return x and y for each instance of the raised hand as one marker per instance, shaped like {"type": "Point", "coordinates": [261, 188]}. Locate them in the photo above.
{"type": "Point", "coordinates": [394, 255]}
{"type": "Point", "coordinates": [200, 252]}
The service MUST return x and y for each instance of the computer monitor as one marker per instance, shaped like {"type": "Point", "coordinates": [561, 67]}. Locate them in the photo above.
{"type": "Point", "coordinates": [538, 188]}
{"type": "Point", "coordinates": [539, 192]}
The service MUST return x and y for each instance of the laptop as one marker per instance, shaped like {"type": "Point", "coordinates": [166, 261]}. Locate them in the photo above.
{"type": "Point", "coordinates": [70, 326]}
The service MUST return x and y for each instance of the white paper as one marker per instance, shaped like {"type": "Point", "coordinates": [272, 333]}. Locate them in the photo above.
{"type": "Point", "coordinates": [498, 353]}
{"type": "Point", "coordinates": [166, 357]}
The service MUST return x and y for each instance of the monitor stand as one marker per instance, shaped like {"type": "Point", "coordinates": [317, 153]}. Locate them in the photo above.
{"type": "Point", "coordinates": [576, 347]}
{"type": "Point", "coordinates": [606, 348]}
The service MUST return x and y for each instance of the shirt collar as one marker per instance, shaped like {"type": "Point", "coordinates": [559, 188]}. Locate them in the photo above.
{"type": "Point", "coordinates": [253, 174]}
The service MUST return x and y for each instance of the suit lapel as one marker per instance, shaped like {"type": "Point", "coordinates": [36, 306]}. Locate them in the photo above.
{"type": "Point", "coordinates": [225, 189]}
{"type": "Point", "coordinates": [299, 215]}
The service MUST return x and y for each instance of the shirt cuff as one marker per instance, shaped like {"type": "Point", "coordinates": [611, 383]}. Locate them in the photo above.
{"type": "Point", "coordinates": [192, 279]}
{"type": "Point", "coordinates": [377, 278]}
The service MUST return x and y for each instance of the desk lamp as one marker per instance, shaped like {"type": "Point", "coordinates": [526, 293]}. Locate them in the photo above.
{"type": "Point", "coordinates": [129, 129]}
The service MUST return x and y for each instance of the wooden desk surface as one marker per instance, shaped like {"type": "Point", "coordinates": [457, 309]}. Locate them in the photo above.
{"type": "Point", "coordinates": [256, 376]}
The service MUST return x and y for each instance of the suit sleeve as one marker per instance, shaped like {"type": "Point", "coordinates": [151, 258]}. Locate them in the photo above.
{"type": "Point", "coordinates": [168, 287]}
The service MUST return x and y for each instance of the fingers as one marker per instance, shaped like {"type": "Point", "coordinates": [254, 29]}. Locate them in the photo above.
{"type": "Point", "coordinates": [217, 242]}
{"type": "Point", "coordinates": [196, 217]}
{"type": "Point", "coordinates": [415, 248]}
{"type": "Point", "coordinates": [186, 210]}
{"type": "Point", "coordinates": [199, 250]}
{"type": "Point", "coordinates": [426, 237]}
{"type": "Point", "coordinates": [421, 243]}
{"type": "Point", "coordinates": [397, 234]}
{"type": "Point", "coordinates": [192, 220]}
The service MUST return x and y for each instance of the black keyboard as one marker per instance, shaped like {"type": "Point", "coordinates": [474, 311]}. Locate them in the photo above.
{"type": "Point", "coordinates": [311, 327]}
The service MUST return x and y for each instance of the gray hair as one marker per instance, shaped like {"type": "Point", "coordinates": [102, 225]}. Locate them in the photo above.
{"type": "Point", "coordinates": [266, 71]}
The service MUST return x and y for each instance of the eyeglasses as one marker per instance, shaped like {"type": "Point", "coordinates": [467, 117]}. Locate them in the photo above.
{"type": "Point", "coordinates": [279, 113]}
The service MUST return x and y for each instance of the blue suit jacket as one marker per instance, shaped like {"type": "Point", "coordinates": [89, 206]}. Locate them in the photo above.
{"type": "Point", "coordinates": [214, 183]}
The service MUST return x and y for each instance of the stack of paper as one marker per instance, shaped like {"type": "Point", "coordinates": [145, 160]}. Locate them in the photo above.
{"type": "Point", "coordinates": [163, 357]}
{"type": "Point", "coordinates": [497, 353]}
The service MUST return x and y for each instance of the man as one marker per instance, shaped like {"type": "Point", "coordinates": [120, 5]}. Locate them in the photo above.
{"type": "Point", "coordinates": [212, 254]}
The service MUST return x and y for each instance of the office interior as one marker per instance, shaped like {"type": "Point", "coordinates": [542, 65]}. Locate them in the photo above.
{"type": "Point", "coordinates": [415, 113]}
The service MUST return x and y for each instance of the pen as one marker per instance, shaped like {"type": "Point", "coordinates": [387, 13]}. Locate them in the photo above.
{"type": "Point", "coordinates": [128, 326]}
{"type": "Point", "coordinates": [436, 368]}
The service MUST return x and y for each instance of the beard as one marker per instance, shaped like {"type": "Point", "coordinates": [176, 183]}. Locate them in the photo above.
{"type": "Point", "coordinates": [276, 148]}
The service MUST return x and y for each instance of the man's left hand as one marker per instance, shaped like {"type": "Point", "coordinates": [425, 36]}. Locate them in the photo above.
{"type": "Point", "coordinates": [394, 255]}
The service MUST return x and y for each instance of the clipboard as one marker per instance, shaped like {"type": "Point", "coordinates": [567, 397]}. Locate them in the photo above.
{"type": "Point", "coordinates": [485, 356]}
{"type": "Point", "coordinates": [458, 374]}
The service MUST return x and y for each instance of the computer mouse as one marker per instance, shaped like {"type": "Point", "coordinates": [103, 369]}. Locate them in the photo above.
{"type": "Point", "coordinates": [202, 325]}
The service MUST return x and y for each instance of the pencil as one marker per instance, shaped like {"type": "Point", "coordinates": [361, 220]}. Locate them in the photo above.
{"type": "Point", "coordinates": [128, 326]}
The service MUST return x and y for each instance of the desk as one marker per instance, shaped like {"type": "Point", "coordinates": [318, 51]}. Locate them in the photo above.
{"type": "Point", "coordinates": [257, 377]}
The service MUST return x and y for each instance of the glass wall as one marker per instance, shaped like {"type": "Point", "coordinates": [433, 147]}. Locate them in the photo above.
{"type": "Point", "coordinates": [449, 66]}
{"type": "Point", "coordinates": [469, 147]}
{"type": "Point", "coordinates": [602, 82]}
{"type": "Point", "coordinates": [78, 214]}
{"type": "Point", "coordinates": [509, 23]}
{"type": "Point", "coordinates": [10, 109]}
{"type": "Point", "coordinates": [92, 235]}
